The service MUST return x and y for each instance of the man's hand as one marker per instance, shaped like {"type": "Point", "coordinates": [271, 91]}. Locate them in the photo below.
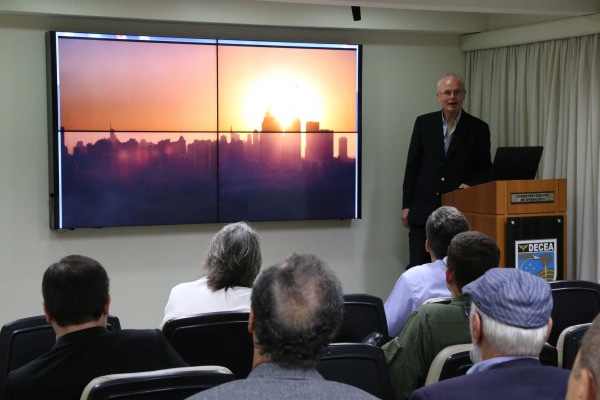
{"type": "Point", "coordinates": [464, 186]}
{"type": "Point", "coordinates": [405, 217]}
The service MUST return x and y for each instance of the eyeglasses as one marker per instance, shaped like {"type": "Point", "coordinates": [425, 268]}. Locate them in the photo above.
{"type": "Point", "coordinates": [456, 93]}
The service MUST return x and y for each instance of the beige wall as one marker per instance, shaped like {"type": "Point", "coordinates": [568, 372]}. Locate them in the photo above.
{"type": "Point", "coordinates": [399, 75]}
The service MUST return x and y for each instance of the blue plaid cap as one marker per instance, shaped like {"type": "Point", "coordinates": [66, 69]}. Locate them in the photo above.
{"type": "Point", "coordinates": [512, 297]}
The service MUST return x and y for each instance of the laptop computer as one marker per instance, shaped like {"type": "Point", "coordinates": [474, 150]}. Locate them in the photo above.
{"type": "Point", "coordinates": [513, 163]}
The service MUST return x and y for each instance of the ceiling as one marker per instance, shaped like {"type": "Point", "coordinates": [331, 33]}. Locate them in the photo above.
{"type": "Point", "coordinates": [427, 16]}
{"type": "Point", "coordinates": [527, 7]}
{"type": "Point", "coordinates": [467, 15]}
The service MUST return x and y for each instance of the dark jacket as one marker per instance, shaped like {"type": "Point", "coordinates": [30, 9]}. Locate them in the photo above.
{"type": "Point", "coordinates": [83, 355]}
{"type": "Point", "coordinates": [521, 379]}
{"type": "Point", "coordinates": [430, 173]}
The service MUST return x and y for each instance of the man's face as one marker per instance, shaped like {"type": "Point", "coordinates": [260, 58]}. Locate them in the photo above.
{"type": "Point", "coordinates": [451, 94]}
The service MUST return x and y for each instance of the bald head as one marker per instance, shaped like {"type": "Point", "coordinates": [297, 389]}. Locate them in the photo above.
{"type": "Point", "coordinates": [297, 307]}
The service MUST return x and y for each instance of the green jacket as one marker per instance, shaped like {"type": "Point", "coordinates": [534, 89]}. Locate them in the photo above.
{"type": "Point", "coordinates": [428, 330]}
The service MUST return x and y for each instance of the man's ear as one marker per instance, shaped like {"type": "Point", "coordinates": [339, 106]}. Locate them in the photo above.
{"type": "Point", "coordinates": [549, 328]}
{"type": "Point", "coordinates": [449, 276]}
{"type": "Point", "coordinates": [47, 314]}
{"type": "Point", "coordinates": [439, 97]}
{"type": "Point", "coordinates": [107, 305]}
{"type": "Point", "coordinates": [476, 328]}
{"type": "Point", "coordinates": [427, 246]}
{"type": "Point", "coordinates": [251, 322]}
{"type": "Point", "coordinates": [586, 389]}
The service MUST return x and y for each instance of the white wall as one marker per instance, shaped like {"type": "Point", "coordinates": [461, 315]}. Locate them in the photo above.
{"type": "Point", "coordinates": [399, 75]}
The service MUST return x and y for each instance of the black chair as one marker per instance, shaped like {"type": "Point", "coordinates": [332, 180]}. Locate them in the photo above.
{"type": "Point", "coordinates": [549, 355]}
{"type": "Point", "coordinates": [568, 344]}
{"type": "Point", "coordinates": [166, 384]}
{"type": "Point", "coordinates": [26, 339]}
{"type": "Point", "coordinates": [357, 364]}
{"type": "Point", "coordinates": [575, 302]}
{"type": "Point", "coordinates": [363, 315]}
{"type": "Point", "coordinates": [450, 362]}
{"type": "Point", "coordinates": [220, 338]}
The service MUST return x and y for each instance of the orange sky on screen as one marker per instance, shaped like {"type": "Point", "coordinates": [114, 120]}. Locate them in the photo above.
{"type": "Point", "coordinates": [144, 86]}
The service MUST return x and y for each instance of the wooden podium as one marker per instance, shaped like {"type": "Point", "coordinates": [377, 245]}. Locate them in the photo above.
{"type": "Point", "coordinates": [491, 206]}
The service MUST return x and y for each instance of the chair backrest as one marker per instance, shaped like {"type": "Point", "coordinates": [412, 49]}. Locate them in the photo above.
{"type": "Point", "coordinates": [450, 362]}
{"type": "Point", "coordinates": [549, 355]}
{"type": "Point", "coordinates": [568, 344]}
{"type": "Point", "coordinates": [575, 302]}
{"type": "Point", "coordinates": [363, 315]}
{"type": "Point", "coordinates": [220, 338]}
{"type": "Point", "coordinates": [438, 300]}
{"type": "Point", "coordinates": [357, 364]}
{"type": "Point", "coordinates": [166, 384]}
{"type": "Point", "coordinates": [26, 339]}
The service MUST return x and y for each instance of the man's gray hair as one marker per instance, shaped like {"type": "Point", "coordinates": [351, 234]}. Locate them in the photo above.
{"type": "Point", "coordinates": [450, 75]}
{"type": "Point", "coordinates": [510, 340]}
{"type": "Point", "coordinates": [233, 257]}
{"type": "Point", "coordinates": [441, 227]}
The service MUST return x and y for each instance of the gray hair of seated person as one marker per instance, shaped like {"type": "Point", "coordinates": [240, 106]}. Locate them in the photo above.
{"type": "Point", "coordinates": [297, 306]}
{"type": "Point", "coordinates": [588, 356]}
{"type": "Point", "coordinates": [442, 225]}
{"type": "Point", "coordinates": [234, 257]}
{"type": "Point", "coordinates": [510, 340]}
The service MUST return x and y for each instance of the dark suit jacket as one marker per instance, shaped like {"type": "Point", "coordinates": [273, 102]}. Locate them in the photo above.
{"type": "Point", "coordinates": [81, 356]}
{"type": "Point", "coordinates": [525, 379]}
{"type": "Point", "coordinates": [430, 172]}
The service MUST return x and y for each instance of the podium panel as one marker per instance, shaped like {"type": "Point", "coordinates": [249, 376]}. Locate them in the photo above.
{"type": "Point", "coordinates": [535, 245]}
{"type": "Point", "coordinates": [524, 204]}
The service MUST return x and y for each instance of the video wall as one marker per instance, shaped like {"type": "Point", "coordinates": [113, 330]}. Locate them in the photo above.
{"type": "Point", "coordinates": [158, 130]}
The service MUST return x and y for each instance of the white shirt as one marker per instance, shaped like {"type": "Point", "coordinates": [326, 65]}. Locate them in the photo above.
{"type": "Point", "coordinates": [414, 286]}
{"type": "Point", "coordinates": [197, 298]}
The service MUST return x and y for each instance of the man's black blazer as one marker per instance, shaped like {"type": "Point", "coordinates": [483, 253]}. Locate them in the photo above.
{"type": "Point", "coordinates": [430, 172]}
{"type": "Point", "coordinates": [83, 355]}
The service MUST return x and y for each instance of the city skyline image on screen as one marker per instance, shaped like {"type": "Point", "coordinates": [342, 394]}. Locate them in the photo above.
{"type": "Point", "coordinates": [151, 131]}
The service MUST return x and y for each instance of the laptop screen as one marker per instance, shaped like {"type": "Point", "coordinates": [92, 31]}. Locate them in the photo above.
{"type": "Point", "coordinates": [514, 163]}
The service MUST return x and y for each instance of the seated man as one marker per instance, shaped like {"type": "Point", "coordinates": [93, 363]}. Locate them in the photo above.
{"type": "Point", "coordinates": [296, 310]}
{"type": "Point", "coordinates": [76, 302]}
{"type": "Point", "coordinates": [584, 382]}
{"type": "Point", "coordinates": [434, 326]}
{"type": "Point", "coordinates": [425, 281]}
{"type": "Point", "coordinates": [509, 322]}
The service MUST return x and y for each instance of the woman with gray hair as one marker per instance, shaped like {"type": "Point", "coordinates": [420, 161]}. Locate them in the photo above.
{"type": "Point", "coordinates": [232, 263]}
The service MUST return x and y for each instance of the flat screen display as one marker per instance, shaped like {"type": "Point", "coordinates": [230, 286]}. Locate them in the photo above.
{"type": "Point", "coordinates": [157, 130]}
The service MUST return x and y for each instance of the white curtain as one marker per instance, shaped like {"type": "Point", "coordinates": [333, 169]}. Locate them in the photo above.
{"type": "Point", "coordinates": [548, 94]}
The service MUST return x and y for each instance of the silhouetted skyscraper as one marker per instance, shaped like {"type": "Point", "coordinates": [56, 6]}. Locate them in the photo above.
{"type": "Point", "coordinates": [343, 148]}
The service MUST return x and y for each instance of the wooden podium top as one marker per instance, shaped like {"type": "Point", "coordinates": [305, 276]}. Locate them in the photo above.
{"type": "Point", "coordinates": [536, 196]}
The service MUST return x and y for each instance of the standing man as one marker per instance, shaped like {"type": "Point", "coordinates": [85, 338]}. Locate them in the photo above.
{"type": "Point", "coordinates": [448, 150]}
